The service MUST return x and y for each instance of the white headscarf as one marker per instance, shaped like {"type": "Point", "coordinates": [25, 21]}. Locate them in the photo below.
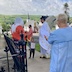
{"type": "Point", "coordinates": [18, 21]}
{"type": "Point", "coordinates": [13, 28]}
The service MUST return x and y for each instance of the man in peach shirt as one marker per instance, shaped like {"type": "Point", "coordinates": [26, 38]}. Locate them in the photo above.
{"type": "Point", "coordinates": [29, 35]}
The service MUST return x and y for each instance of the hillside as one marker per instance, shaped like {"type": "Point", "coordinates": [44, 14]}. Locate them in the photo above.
{"type": "Point", "coordinates": [8, 19]}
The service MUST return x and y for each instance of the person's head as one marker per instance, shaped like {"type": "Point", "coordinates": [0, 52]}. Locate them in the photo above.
{"type": "Point", "coordinates": [32, 39]}
{"type": "Point", "coordinates": [62, 20]}
{"type": "Point", "coordinates": [30, 26]}
{"type": "Point", "coordinates": [42, 19]}
{"type": "Point", "coordinates": [19, 21]}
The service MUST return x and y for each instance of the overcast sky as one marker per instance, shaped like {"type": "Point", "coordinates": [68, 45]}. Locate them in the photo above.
{"type": "Point", "coordinates": [43, 7]}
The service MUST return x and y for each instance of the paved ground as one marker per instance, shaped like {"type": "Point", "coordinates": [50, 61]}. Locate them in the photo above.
{"type": "Point", "coordinates": [37, 64]}
{"type": "Point", "coordinates": [34, 65]}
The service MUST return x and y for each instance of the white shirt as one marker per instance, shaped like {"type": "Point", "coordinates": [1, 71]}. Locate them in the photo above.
{"type": "Point", "coordinates": [32, 45]}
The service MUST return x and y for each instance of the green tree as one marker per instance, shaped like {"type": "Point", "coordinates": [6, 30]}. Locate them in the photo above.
{"type": "Point", "coordinates": [66, 8]}
{"type": "Point", "coordinates": [6, 27]}
{"type": "Point", "coordinates": [24, 21]}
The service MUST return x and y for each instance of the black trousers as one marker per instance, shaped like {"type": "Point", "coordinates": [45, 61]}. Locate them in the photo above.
{"type": "Point", "coordinates": [32, 51]}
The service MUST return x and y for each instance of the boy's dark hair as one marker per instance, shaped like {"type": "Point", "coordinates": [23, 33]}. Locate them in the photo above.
{"type": "Point", "coordinates": [32, 38]}
{"type": "Point", "coordinates": [30, 26]}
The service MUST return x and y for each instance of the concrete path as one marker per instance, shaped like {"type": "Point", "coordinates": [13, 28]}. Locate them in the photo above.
{"type": "Point", "coordinates": [37, 64]}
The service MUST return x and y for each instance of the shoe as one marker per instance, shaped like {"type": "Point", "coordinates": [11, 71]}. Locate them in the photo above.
{"type": "Point", "coordinates": [29, 57]}
{"type": "Point", "coordinates": [29, 49]}
{"type": "Point", "coordinates": [41, 57]}
{"type": "Point", "coordinates": [32, 57]}
{"type": "Point", "coordinates": [48, 57]}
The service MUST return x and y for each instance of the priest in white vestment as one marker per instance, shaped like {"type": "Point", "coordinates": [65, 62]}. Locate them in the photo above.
{"type": "Point", "coordinates": [43, 35]}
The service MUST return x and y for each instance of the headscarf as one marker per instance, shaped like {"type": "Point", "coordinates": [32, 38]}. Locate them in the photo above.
{"type": "Point", "coordinates": [12, 28]}
{"type": "Point", "coordinates": [18, 21]}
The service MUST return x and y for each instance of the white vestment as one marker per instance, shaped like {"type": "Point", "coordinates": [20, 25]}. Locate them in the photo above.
{"type": "Point", "coordinates": [45, 46]}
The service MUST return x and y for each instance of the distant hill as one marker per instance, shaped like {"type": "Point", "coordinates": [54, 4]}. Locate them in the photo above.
{"type": "Point", "coordinates": [8, 19]}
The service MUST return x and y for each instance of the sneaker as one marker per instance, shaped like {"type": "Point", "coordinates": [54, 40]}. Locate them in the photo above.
{"type": "Point", "coordinates": [48, 57]}
{"type": "Point", "coordinates": [29, 57]}
{"type": "Point", "coordinates": [33, 57]}
{"type": "Point", "coordinates": [41, 57]}
{"type": "Point", "coordinates": [29, 49]}
{"type": "Point", "coordinates": [44, 57]}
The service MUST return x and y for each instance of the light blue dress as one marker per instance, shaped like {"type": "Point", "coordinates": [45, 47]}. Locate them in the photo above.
{"type": "Point", "coordinates": [61, 51]}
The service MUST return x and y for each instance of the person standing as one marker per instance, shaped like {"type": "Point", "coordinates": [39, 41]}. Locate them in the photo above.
{"type": "Point", "coordinates": [43, 34]}
{"type": "Point", "coordinates": [29, 35]}
{"type": "Point", "coordinates": [61, 51]}
{"type": "Point", "coordinates": [17, 29]}
{"type": "Point", "coordinates": [32, 48]}
{"type": "Point", "coordinates": [35, 28]}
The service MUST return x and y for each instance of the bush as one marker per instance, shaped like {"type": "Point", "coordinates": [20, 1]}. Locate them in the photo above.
{"type": "Point", "coordinates": [6, 27]}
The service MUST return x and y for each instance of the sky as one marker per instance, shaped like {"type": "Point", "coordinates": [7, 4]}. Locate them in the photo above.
{"type": "Point", "coordinates": [35, 7]}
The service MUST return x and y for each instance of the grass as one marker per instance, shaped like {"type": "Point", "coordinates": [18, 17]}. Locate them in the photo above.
{"type": "Point", "coordinates": [37, 47]}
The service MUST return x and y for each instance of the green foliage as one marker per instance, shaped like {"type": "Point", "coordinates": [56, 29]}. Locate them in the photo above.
{"type": "Point", "coordinates": [37, 47]}
{"type": "Point", "coordinates": [25, 22]}
{"type": "Point", "coordinates": [66, 5]}
{"type": "Point", "coordinates": [35, 17]}
{"type": "Point", "coordinates": [70, 19]}
{"type": "Point", "coordinates": [10, 18]}
{"type": "Point", "coordinates": [6, 27]}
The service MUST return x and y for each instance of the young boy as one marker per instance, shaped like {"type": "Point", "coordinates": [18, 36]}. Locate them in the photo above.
{"type": "Point", "coordinates": [32, 48]}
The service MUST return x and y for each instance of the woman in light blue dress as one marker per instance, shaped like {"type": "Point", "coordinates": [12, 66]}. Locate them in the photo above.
{"type": "Point", "coordinates": [61, 51]}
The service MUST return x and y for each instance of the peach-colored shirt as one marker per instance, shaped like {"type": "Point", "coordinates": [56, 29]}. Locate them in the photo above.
{"type": "Point", "coordinates": [30, 34]}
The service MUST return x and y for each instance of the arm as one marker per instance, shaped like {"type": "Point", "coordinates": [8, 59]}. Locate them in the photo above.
{"type": "Point", "coordinates": [47, 31]}
{"type": "Point", "coordinates": [52, 38]}
{"type": "Point", "coordinates": [45, 37]}
{"type": "Point", "coordinates": [29, 39]}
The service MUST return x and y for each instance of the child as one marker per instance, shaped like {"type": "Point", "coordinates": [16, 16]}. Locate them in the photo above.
{"type": "Point", "coordinates": [32, 48]}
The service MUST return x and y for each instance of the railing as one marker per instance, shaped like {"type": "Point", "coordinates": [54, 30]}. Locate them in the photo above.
{"type": "Point", "coordinates": [20, 58]}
